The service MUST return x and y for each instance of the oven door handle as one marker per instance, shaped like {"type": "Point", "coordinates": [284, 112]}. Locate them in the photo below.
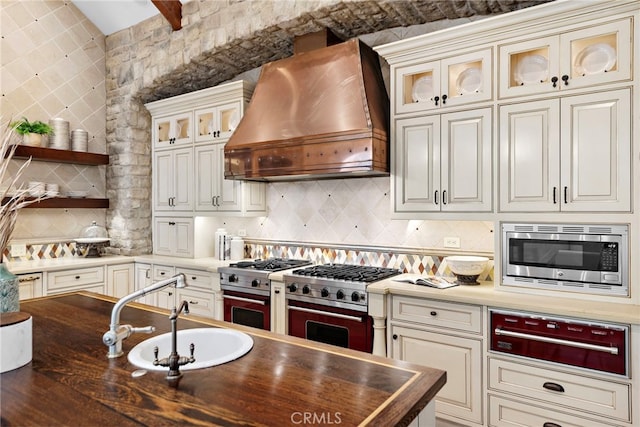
{"type": "Point", "coordinates": [253, 301]}
{"type": "Point", "coordinates": [612, 350]}
{"type": "Point", "coordinates": [326, 313]}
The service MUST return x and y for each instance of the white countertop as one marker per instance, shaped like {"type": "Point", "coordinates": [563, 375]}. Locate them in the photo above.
{"type": "Point", "coordinates": [487, 294]}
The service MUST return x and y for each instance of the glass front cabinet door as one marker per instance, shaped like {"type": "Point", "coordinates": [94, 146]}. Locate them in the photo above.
{"type": "Point", "coordinates": [448, 82]}
{"type": "Point", "coordinates": [172, 130]}
{"type": "Point", "coordinates": [217, 122]}
{"type": "Point", "coordinates": [576, 59]}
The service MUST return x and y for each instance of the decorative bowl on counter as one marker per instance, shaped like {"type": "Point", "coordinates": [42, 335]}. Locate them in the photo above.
{"type": "Point", "coordinates": [467, 268]}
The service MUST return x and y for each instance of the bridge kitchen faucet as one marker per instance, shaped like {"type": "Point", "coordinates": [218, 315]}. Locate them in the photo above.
{"type": "Point", "coordinates": [174, 361]}
{"type": "Point", "coordinates": [117, 333]}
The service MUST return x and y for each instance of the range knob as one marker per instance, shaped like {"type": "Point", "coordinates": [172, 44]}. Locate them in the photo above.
{"type": "Point", "coordinates": [324, 292]}
{"type": "Point", "coordinates": [355, 297]}
{"type": "Point", "coordinates": [306, 289]}
{"type": "Point", "coordinates": [255, 283]}
{"type": "Point", "coordinates": [233, 278]}
{"type": "Point", "coordinates": [292, 287]}
{"type": "Point", "coordinates": [340, 294]}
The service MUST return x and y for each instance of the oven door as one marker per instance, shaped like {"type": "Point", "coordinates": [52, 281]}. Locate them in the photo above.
{"type": "Point", "coordinates": [247, 309]}
{"type": "Point", "coordinates": [331, 325]}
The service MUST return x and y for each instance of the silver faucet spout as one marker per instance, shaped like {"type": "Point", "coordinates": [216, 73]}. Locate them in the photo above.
{"type": "Point", "coordinates": [117, 333]}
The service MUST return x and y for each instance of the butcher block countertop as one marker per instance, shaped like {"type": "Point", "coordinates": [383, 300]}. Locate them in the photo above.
{"type": "Point", "coordinates": [282, 379]}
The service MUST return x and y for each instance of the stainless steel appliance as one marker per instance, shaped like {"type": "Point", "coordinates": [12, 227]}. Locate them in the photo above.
{"type": "Point", "coordinates": [246, 290]}
{"type": "Point", "coordinates": [328, 303]}
{"type": "Point", "coordinates": [569, 257]}
{"type": "Point", "coordinates": [598, 346]}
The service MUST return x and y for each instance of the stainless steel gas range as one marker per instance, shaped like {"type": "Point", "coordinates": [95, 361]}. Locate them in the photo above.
{"type": "Point", "coordinates": [328, 303]}
{"type": "Point", "coordinates": [246, 290]}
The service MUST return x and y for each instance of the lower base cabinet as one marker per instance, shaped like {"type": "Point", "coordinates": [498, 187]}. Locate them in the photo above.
{"type": "Point", "coordinates": [461, 397]}
{"type": "Point", "coordinates": [581, 399]}
{"type": "Point", "coordinates": [81, 279]}
{"type": "Point", "coordinates": [120, 280]}
{"type": "Point", "coordinates": [446, 336]}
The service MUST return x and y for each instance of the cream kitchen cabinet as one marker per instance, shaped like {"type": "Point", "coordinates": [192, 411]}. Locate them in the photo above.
{"type": "Point", "coordinates": [199, 292]}
{"type": "Point", "coordinates": [173, 180]}
{"type": "Point", "coordinates": [120, 280]}
{"type": "Point", "coordinates": [31, 285]}
{"type": "Point", "coordinates": [215, 193]}
{"type": "Point", "coordinates": [593, 55]}
{"type": "Point", "coordinates": [569, 154]}
{"type": "Point", "coordinates": [173, 236]}
{"type": "Point", "coordinates": [81, 279]}
{"type": "Point", "coordinates": [443, 163]}
{"type": "Point", "coordinates": [173, 130]}
{"type": "Point", "coordinates": [448, 82]}
{"type": "Point", "coordinates": [217, 122]}
{"type": "Point", "coordinates": [584, 397]}
{"type": "Point", "coordinates": [144, 278]}
{"type": "Point", "coordinates": [445, 336]}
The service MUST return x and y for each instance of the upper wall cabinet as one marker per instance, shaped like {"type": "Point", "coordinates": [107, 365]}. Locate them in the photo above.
{"type": "Point", "coordinates": [217, 122]}
{"type": "Point", "coordinates": [448, 82]}
{"type": "Point", "coordinates": [576, 59]}
{"type": "Point", "coordinates": [173, 130]}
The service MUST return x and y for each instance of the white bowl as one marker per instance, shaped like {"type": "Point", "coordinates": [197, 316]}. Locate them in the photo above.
{"type": "Point", "coordinates": [467, 268]}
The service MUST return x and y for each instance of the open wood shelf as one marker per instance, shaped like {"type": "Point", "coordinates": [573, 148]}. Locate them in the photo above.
{"type": "Point", "coordinates": [60, 156]}
{"type": "Point", "coordinates": [66, 202]}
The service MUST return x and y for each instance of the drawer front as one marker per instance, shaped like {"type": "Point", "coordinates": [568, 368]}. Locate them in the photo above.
{"type": "Point", "coordinates": [200, 303]}
{"type": "Point", "coordinates": [588, 395]}
{"type": "Point", "coordinates": [97, 288]}
{"type": "Point", "coordinates": [462, 317]}
{"type": "Point", "coordinates": [161, 272]}
{"type": "Point", "coordinates": [76, 279]}
{"type": "Point", "coordinates": [197, 278]}
{"type": "Point", "coordinates": [510, 413]}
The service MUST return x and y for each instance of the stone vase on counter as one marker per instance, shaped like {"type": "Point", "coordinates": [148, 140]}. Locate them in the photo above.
{"type": "Point", "coordinates": [9, 290]}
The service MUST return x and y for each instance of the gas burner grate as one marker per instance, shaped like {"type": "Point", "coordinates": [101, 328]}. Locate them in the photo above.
{"type": "Point", "coordinates": [271, 264]}
{"type": "Point", "coordinates": [353, 273]}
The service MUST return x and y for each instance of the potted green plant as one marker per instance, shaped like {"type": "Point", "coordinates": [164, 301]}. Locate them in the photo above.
{"type": "Point", "coordinates": [32, 131]}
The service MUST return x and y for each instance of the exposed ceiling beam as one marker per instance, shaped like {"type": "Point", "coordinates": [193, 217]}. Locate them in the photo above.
{"type": "Point", "coordinates": [171, 10]}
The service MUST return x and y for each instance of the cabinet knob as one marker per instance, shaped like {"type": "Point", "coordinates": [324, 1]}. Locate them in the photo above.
{"type": "Point", "coordinates": [550, 424]}
{"type": "Point", "coordinates": [395, 336]}
{"type": "Point", "coordinates": [77, 277]}
{"type": "Point", "coordinates": [434, 313]}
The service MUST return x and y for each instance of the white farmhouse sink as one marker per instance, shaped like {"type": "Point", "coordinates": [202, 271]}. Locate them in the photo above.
{"type": "Point", "coordinates": [213, 346]}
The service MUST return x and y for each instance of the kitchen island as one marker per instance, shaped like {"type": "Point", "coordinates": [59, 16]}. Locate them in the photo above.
{"type": "Point", "coordinates": [282, 381]}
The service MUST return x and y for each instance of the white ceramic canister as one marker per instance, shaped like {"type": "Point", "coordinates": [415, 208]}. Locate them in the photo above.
{"type": "Point", "coordinates": [219, 243]}
{"type": "Point", "coordinates": [237, 248]}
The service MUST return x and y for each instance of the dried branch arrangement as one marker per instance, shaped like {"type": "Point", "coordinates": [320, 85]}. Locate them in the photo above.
{"type": "Point", "coordinates": [11, 202]}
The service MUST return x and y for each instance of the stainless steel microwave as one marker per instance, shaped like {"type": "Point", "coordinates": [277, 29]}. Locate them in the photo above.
{"type": "Point", "coordinates": [582, 258]}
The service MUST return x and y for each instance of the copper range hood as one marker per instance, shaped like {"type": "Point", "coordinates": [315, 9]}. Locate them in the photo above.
{"type": "Point", "coordinates": [317, 114]}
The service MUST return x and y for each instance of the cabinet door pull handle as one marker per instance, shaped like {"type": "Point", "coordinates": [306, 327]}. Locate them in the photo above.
{"type": "Point", "coordinates": [444, 197]}
{"type": "Point", "coordinates": [565, 79]}
{"type": "Point", "coordinates": [171, 223]}
{"type": "Point", "coordinates": [565, 194]}
{"type": "Point", "coordinates": [550, 424]}
{"type": "Point", "coordinates": [553, 387]}
{"type": "Point", "coordinates": [554, 80]}
{"type": "Point", "coordinates": [193, 302]}
{"type": "Point", "coordinates": [554, 195]}
{"type": "Point", "coordinates": [444, 99]}
{"type": "Point", "coordinates": [435, 197]}
{"type": "Point", "coordinates": [436, 99]}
